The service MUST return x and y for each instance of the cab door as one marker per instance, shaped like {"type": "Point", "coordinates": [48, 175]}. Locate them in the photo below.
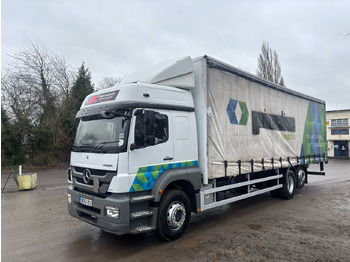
{"type": "Point", "coordinates": [150, 147]}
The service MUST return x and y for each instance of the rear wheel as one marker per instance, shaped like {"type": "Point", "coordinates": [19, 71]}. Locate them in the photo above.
{"type": "Point", "coordinates": [300, 177]}
{"type": "Point", "coordinates": [289, 181]}
{"type": "Point", "coordinates": [174, 215]}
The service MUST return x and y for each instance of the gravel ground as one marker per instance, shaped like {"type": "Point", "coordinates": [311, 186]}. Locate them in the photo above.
{"type": "Point", "coordinates": [313, 226]}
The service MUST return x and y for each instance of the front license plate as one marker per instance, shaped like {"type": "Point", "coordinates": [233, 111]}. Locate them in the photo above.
{"type": "Point", "coordinates": [85, 201]}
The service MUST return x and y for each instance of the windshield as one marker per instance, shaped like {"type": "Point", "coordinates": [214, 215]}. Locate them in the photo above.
{"type": "Point", "coordinates": [102, 135]}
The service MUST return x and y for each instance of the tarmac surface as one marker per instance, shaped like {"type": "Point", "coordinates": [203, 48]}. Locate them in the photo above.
{"type": "Point", "coordinates": [313, 226]}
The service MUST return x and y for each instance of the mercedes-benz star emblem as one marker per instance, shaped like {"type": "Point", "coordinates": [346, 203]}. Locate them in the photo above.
{"type": "Point", "coordinates": [86, 175]}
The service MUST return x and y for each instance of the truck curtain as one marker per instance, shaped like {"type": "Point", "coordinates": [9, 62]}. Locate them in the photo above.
{"type": "Point", "coordinates": [255, 123]}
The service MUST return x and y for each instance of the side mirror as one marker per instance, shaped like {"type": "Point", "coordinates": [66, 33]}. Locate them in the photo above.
{"type": "Point", "coordinates": [133, 146]}
{"type": "Point", "coordinates": [107, 115]}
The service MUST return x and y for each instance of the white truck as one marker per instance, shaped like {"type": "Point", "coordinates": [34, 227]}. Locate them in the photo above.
{"type": "Point", "coordinates": [188, 135]}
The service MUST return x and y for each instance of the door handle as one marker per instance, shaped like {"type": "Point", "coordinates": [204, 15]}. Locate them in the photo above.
{"type": "Point", "coordinates": [168, 158]}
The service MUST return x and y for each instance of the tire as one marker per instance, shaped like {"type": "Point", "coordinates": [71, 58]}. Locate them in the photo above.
{"type": "Point", "coordinates": [300, 177]}
{"type": "Point", "coordinates": [289, 184]}
{"type": "Point", "coordinates": [174, 215]}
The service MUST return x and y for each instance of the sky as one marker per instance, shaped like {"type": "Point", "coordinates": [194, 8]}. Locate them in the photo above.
{"type": "Point", "coordinates": [113, 38]}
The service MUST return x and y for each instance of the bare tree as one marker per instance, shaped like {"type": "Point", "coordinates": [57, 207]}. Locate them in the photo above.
{"type": "Point", "coordinates": [35, 83]}
{"type": "Point", "coordinates": [63, 75]}
{"type": "Point", "coordinates": [35, 88]}
{"type": "Point", "coordinates": [18, 98]}
{"type": "Point", "coordinates": [269, 66]}
{"type": "Point", "coordinates": [109, 82]}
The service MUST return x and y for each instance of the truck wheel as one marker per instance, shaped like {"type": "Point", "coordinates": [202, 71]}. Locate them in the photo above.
{"type": "Point", "coordinates": [300, 177]}
{"type": "Point", "coordinates": [289, 181]}
{"type": "Point", "coordinates": [174, 215]}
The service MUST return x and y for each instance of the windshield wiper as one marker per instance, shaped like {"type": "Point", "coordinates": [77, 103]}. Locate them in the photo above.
{"type": "Point", "coordinates": [96, 149]}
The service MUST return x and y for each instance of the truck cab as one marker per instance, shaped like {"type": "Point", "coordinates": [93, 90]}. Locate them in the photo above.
{"type": "Point", "coordinates": [129, 136]}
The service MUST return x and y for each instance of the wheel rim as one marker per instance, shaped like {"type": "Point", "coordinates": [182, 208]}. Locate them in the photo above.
{"type": "Point", "coordinates": [290, 184]}
{"type": "Point", "coordinates": [176, 215]}
{"type": "Point", "coordinates": [301, 176]}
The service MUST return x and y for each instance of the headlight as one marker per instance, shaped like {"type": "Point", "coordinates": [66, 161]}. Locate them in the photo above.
{"type": "Point", "coordinates": [69, 198]}
{"type": "Point", "coordinates": [112, 212]}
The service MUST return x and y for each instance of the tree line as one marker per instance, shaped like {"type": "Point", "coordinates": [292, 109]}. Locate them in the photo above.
{"type": "Point", "coordinates": [41, 95]}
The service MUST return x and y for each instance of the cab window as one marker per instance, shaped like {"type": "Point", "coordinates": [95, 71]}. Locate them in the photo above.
{"type": "Point", "coordinates": [151, 128]}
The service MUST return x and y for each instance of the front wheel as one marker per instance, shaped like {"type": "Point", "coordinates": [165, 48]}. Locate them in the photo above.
{"type": "Point", "coordinates": [174, 215]}
{"type": "Point", "coordinates": [289, 181]}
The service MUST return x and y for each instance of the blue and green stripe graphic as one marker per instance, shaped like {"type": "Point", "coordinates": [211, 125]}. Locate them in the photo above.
{"type": "Point", "coordinates": [314, 139]}
{"type": "Point", "coordinates": [146, 176]}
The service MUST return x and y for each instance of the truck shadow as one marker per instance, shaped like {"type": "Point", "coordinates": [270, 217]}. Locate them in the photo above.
{"type": "Point", "coordinates": [97, 244]}
{"type": "Point", "coordinates": [93, 241]}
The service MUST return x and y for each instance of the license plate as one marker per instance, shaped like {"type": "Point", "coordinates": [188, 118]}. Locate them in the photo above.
{"type": "Point", "coordinates": [85, 201]}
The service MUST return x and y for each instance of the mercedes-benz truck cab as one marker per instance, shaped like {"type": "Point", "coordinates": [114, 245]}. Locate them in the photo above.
{"type": "Point", "coordinates": [127, 137]}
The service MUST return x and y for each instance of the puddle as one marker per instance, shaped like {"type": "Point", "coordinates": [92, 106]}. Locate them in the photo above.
{"type": "Point", "coordinates": [189, 243]}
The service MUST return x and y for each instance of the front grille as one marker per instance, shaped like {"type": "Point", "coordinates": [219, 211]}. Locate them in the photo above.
{"type": "Point", "coordinates": [102, 177]}
{"type": "Point", "coordinates": [94, 172]}
{"type": "Point", "coordinates": [80, 180]}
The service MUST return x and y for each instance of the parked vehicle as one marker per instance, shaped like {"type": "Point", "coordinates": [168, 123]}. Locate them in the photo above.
{"type": "Point", "coordinates": [188, 135]}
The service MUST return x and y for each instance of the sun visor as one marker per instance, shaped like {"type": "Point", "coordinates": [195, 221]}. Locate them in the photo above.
{"type": "Point", "coordinates": [176, 72]}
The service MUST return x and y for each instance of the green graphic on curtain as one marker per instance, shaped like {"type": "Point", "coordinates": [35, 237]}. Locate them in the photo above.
{"type": "Point", "coordinates": [314, 147]}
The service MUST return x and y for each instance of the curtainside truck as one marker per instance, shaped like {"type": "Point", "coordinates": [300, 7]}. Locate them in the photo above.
{"type": "Point", "coordinates": [188, 135]}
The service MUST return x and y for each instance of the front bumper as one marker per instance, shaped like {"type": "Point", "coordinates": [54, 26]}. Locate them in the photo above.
{"type": "Point", "coordinates": [96, 214]}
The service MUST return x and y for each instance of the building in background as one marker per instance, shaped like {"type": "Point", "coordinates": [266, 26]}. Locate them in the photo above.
{"type": "Point", "coordinates": [338, 136]}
